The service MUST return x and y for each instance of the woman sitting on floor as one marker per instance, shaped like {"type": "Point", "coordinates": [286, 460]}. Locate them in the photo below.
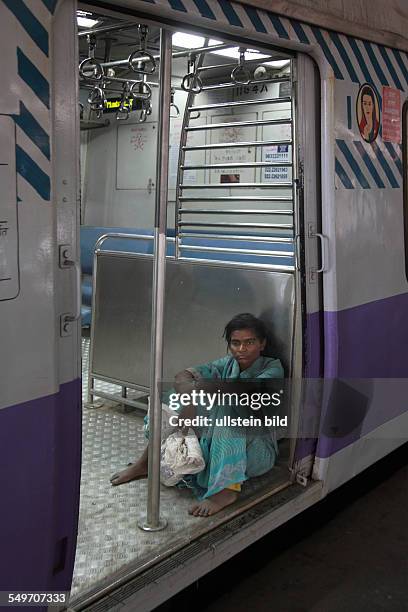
{"type": "Point", "coordinates": [229, 459]}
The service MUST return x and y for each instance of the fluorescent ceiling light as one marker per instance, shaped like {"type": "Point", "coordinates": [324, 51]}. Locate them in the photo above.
{"type": "Point", "coordinates": [277, 63]}
{"type": "Point", "coordinates": [85, 21]}
{"type": "Point", "coordinates": [250, 54]}
{"type": "Point", "coordinates": [191, 41]}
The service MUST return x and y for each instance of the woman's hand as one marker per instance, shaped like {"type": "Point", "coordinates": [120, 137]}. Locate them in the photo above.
{"type": "Point", "coordinates": [184, 382]}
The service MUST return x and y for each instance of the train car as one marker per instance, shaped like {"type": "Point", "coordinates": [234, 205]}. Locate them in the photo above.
{"type": "Point", "coordinates": [166, 165]}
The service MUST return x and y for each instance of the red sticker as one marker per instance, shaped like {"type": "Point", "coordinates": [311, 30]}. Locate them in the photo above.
{"type": "Point", "coordinates": [391, 115]}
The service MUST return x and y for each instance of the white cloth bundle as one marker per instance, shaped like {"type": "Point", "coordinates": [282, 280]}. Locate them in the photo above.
{"type": "Point", "coordinates": [180, 455]}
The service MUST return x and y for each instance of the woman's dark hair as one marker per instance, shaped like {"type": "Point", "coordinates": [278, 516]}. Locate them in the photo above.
{"type": "Point", "coordinates": [367, 91]}
{"type": "Point", "coordinates": [245, 321]}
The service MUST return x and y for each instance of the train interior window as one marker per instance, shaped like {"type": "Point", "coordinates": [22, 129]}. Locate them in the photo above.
{"type": "Point", "coordinates": [230, 249]}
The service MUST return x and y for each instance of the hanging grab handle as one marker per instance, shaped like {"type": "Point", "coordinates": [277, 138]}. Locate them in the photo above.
{"type": "Point", "coordinates": [97, 101]}
{"type": "Point", "coordinates": [140, 57]}
{"type": "Point", "coordinates": [90, 68]}
{"type": "Point", "coordinates": [122, 114]}
{"type": "Point", "coordinates": [240, 74]}
{"type": "Point", "coordinates": [173, 105]}
{"type": "Point", "coordinates": [192, 82]}
{"type": "Point", "coordinates": [144, 92]}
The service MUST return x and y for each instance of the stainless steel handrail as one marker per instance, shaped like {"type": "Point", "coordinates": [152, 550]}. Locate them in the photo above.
{"type": "Point", "coordinates": [237, 145]}
{"type": "Point", "coordinates": [238, 264]}
{"type": "Point", "coordinates": [238, 165]}
{"type": "Point", "coordinates": [260, 252]}
{"type": "Point", "coordinates": [235, 211]}
{"type": "Point", "coordinates": [237, 224]}
{"type": "Point", "coordinates": [240, 103]}
{"type": "Point", "coordinates": [230, 85]}
{"type": "Point", "coordinates": [237, 237]}
{"type": "Point", "coordinates": [237, 186]}
{"type": "Point", "coordinates": [229, 124]}
{"type": "Point", "coordinates": [236, 199]}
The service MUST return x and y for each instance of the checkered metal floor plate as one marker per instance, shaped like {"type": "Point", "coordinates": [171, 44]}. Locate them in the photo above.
{"type": "Point", "coordinates": [109, 539]}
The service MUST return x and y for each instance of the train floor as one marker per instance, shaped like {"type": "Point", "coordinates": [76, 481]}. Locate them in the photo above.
{"type": "Point", "coordinates": [109, 541]}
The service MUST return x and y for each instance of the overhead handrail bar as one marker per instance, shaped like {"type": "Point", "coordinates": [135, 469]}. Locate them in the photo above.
{"type": "Point", "coordinates": [175, 54]}
{"type": "Point", "coordinates": [126, 25]}
{"type": "Point", "coordinates": [255, 60]}
{"type": "Point", "coordinates": [254, 82]}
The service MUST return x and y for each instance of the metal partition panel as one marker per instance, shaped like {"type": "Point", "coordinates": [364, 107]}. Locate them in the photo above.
{"type": "Point", "coordinates": [200, 299]}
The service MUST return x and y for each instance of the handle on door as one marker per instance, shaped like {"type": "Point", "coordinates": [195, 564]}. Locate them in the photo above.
{"type": "Point", "coordinates": [323, 256]}
{"type": "Point", "coordinates": [150, 186]}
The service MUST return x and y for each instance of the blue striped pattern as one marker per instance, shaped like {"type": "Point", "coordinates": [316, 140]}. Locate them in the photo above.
{"type": "Point", "coordinates": [400, 63]}
{"type": "Point", "coordinates": [230, 13]}
{"type": "Point", "coordinates": [26, 165]}
{"type": "Point", "coordinates": [299, 31]}
{"type": "Point", "coordinates": [361, 62]}
{"type": "Point", "coordinates": [29, 170]}
{"type": "Point", "coordinates": [344, 56]}
{"type": "Point", "coordinates": [33, 77]}
{"type": "Point", "coordinates": [366, 159]}
{"type": "Point", "coordinates": [353, 164]}
{"type": "Point", "coordinates": [380, 156]}
{"type": "Point", "coordinates": [204, 9]}
{"type": "Point", "coordinates": [342, 174]}
{"type": "Point", "coordinates": [51, 5]}
{"type": "Point", "coordinates": [394, 156]}
{"type": "Point", "coordinates": [328, 54]}
{"type": "Point", "coordinates": [390, 67]}
{"type": "Point", "coordinates": [177, 5]}
{"type": "Point", "coordinates": [255, 19]}
{"type": "Point", "coordinates": [378, 70]}
{"type": "Point", "coordinates": [278, 25]}
{"type": "Point", "coordinates": [30, 23]}
{"type": "Point", "coordinates": [30, 126]}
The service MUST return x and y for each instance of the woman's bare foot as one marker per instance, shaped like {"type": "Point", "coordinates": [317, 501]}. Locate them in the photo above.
{"type": "Point", "coordinates": [135, 471]}
{"type": "Point", "coordinates": [214, 504]}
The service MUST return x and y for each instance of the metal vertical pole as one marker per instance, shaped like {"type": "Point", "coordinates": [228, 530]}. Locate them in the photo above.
{"type": "Point", "coordinates": [153, 521]}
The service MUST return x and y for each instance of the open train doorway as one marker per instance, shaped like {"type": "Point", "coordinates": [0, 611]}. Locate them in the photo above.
{"type": "Point", "coordinates": [234, 245]}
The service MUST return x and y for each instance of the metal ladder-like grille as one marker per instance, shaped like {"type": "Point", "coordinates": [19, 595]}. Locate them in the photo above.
{"type": "Point", "coordinates": [250, 222]}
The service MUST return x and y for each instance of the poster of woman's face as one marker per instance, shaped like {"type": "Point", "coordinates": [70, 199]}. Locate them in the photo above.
{"type": "Point", "coordinates": [368, 113]}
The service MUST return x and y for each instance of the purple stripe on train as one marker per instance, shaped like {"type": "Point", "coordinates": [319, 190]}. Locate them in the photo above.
{"type": "Point", "coordinates": [366, 373]}
{"type": "Point", "coordinates": [40, 443]}
{"type": "Point", "coordinates": [366, 351]}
